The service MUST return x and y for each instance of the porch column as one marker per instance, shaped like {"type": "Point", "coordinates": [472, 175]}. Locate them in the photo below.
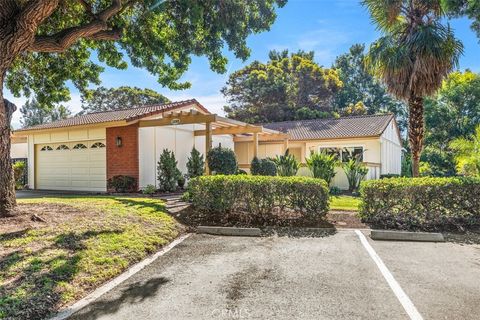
{"type": "Point", "coordinates": [208, 144]}
{"type": "Point", "coordinates": [255, 144]}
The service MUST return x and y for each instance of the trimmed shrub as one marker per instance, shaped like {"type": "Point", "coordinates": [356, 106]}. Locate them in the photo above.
{"type": "Point", "coordinates": [168, 174]}
{"type": "Point", "coordinates": [421, 203]}
{"type": "Point", "coordinates": [259, 196]}
{"type": "Point", "coordinates": [222, 161]}
{"type": "Point", "coordinates": [263, 167]}
{"type": "Point", "coordinates": [122, 183]}
{"type": "Point", "coordinates": [195, 164]}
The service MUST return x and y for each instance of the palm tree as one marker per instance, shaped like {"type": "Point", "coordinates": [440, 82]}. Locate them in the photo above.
{"type": "Point", "coordinates": [468, 154]}
{"type": "Point", "coordinates": [413, 55]}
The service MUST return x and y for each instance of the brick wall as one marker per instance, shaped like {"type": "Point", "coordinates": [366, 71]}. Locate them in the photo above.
{"type": "Point", "coordinates": [122, 160]}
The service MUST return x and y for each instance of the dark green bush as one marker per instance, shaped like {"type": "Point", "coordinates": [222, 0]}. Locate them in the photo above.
{"type": "Point", "coordinates": [263, 167]}
{"type": "Point", "coordinates": [122, 183]}
{"type": "Point", "coordinates": [259, 196]}
{"type": "Point", "coordinates": [421, 203]}
{"type": "Point", "coordinates": [168, 173]}
{"type": "Point", "coordinates": [195, 164]}
{"type": "Point", "coordinates": [222, 161]}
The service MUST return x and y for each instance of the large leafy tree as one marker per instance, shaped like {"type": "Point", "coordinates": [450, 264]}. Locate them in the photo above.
{"type": "Point", "coordinates": [414, 54]}
{"type": "Point", "coordinates": [468, 153]}
{"type": "Point", "coordinates": [452, 113]}
{"type": "Point", "coordinates": [468, 8]}
{"type": "Point", "coordinates": [44, 43]}
{"type": "Point", "coordinates": [34, 113]}
{"type": "Point", "coordinates": [359, 86]}
{"type": "Point", "coordinates": [287, 87]}
{"type": "Point", "coordinates": [104, 99]}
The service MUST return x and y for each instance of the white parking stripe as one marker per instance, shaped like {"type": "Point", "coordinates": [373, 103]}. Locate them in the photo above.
{"type": "Point", "coordinates": [397, 290]}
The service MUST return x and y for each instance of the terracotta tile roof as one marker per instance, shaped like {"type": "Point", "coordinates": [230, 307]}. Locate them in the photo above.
{"type": "Point", "coordinates": [346, 127]}
{"type": "Point", "coordinates": [115, 115]}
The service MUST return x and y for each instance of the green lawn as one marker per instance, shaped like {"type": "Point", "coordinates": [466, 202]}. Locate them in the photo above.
{"type": "Point", "coordinates": [88, 241]}
{"type": "Point", "coordinates": [347, 203]}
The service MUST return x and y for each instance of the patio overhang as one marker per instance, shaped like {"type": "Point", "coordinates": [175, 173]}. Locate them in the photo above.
{"type": "Point", "coordinates": [218, 125]}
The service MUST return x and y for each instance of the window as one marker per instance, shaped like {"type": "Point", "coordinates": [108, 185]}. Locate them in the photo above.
{"type": "Point", "coordinates": [352, 153]}
{"type": "Point", "coordinates": [63, 147]}
{"type": "Point", "coordinates": [79, 146]}
{"type": "Point", "coordinates": [331, 151]}
{"type": "Point", "coordinates": [98, 145]}
{"type": "Point", "coordinates": [46, 148]}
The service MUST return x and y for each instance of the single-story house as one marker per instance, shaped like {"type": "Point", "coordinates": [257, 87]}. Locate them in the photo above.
{"type": "Point", "coordinates": [81, 153]}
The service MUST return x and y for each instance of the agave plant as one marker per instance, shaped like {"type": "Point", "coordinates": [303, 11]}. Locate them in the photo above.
{"type": "Point", "coordinates": [286, 164]}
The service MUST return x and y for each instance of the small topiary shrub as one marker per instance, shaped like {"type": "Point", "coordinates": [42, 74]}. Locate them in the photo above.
{"type": "Point", "coordinates": [222, 161]}
{"type": "Point", "coordinates": [168, 174]}
{"type": "Point", "coordinates": [421, 203]}
{"type": "Point", "coordinates": [122, 183]}
{"type": "Point", "coordinates": [259, 197]}
{"type": "Point", "coordinates": [195, 164]}
{"type": "Point", "coordinates": [263, 167]}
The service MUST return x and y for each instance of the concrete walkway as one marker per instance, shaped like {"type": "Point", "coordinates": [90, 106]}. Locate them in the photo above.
{"type": "Point", "coordinates": [334, 277]}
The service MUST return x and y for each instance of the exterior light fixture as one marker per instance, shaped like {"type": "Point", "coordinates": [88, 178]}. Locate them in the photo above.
{"type": "Point", "coordinates": [118, 141]}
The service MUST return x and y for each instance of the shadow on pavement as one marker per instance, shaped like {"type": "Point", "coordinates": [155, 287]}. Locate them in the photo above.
{"type": "Point", "coordinates": [134, 293]}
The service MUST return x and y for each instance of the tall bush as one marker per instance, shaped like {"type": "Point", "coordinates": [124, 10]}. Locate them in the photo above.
{"type": "Point", "coordinates": [421, 203]}
{"type": "Point", "coordinates": [286, 164]}
{"type": "Point", "coordinates": [323, 165]}
{"type": "Point", "coordinates": [355, 171]}
{"type": "Point", "coordinates": [263, 167]}
{"type": "Point", "coordinates": [168, 174]}
{"type": "Point", "coordinates": [19, 168]}
{"type": "Point", "coordinates": [195, 164]}
{"type": "Point", "coordinates": [259, 196]}
{"type": "Point", "coordinates": [222, 161]}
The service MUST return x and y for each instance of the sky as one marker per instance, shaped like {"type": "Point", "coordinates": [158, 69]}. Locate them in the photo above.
{"type": "Point", "coordinates": [327, 27]}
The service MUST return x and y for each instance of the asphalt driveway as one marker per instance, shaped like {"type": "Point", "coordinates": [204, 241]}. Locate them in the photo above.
{"type": "Point", "coordinates": [332, 277]}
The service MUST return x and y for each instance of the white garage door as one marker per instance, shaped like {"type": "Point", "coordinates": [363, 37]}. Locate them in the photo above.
{"type": "Point", "coordinates": [77, 166]}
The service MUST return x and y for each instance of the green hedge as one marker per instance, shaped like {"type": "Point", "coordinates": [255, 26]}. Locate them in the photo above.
{"type": "Point", "coordinates": [259, 196]}
{"type": "Point", "coordinates": [421, 203]}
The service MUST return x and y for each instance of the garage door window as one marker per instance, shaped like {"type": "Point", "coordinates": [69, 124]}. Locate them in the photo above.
{"type": "Point", "coordinates": [46, 148]}
{"type": "Point", "coordinates": [98, 145]}
{"type": "Point", "coordinates": [79, 146]}
{"type": "Point", "coordinates": [63, 147]}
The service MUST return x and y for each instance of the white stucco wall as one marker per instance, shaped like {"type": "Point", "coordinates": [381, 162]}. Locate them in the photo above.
{"type": "Point", "coordinates": [391, 150]}
{"type": "Point", "coordinates": [180, 139]}
{"type": "Point", "coordinates": [19, 150]}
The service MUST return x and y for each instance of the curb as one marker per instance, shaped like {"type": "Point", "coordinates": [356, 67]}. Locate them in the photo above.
{"type": "Point", "coordinates": [230, 231]}
{"type": "Point", "coordinates": [406, 236]}
{"type": "Point", "coordinates": [82, 303]}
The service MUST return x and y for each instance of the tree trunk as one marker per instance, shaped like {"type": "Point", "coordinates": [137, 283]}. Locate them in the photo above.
{"type": "Point", "coordinates": [415, 131]}
{"type": "Point", "coordinates": [7, 183]}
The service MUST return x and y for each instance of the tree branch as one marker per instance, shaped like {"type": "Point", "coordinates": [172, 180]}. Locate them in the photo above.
{"type": "Point", "coordinates": [88, 8]}
{"type": "Point", "coordinates": [95, 30]}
